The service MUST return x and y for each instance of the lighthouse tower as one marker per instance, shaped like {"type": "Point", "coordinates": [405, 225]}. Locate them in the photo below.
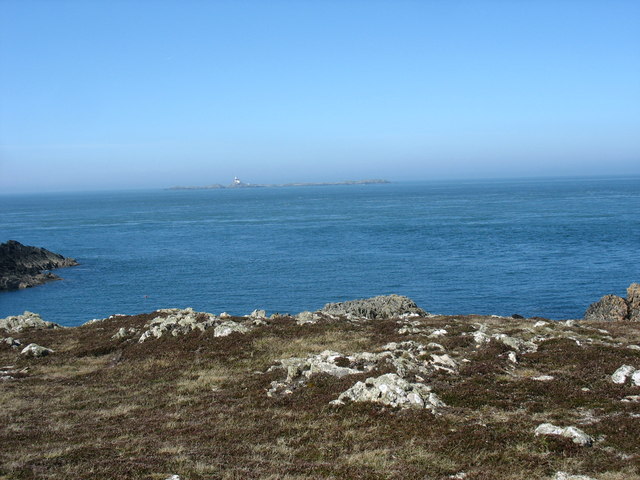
{"type": "Point", "coordinates": [236, 181]}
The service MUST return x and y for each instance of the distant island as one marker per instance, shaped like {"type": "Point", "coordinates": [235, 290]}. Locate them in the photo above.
{"type": "Point", "coordinates": [237, 183]}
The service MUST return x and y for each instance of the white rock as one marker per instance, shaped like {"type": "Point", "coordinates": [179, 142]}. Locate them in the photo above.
{"type": "Point", "coordinates": [543, 378]}
{"type": "Point", "coordinates": [392, 390]}
{"type": "Point", "coordinates": [258, 314]}
{"type": "Point", "coordinates": [18, 323]}
{"type": "Point", "coordinates": [512, 357]}
{"type": "Point", "coordinates": [173, 477]}
{"type": "Point", "coordinates": [540, 323]}
{"type": "Point", "coordinates": [227, 328]}
{"type": "Point", "coordinates": [633, 347]}
{"type": "Point", "coordinates": [568, 476]}
{"type": "Point", "coordinates": [622, 374]}
{"type": "Point", "coordinates": [306, 317]}
{"type": "Point", "coordinates": [575, 434]}
{"type": "Point", "coordinates": [631, 398]}
{"type": "Point", "coordinates": [225, 315]}
{"type": "Point", "coordinates": [12, 342]}
{"type": "Point", "coordinates": [635, 378]}
{"type": "Point", "coordinates": [35, 350]}
{"type": "Point", "coordinates": [438, 333]}
{"type": "Point", "coordinates": [444, 362]}
{"type": "Point", "coordinates": [480, 337]}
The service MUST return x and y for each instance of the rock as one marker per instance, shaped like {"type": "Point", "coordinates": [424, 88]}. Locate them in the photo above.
{"type": "Point", "coordinates": [18, 323]}
{"type": "Point", "coordinates": [124, 333]}
{"type": "Point", "coordinates": [543, 378]}
{"type": "Point", "coordinates": [22, 266]}
{"type": "Point", "coordinates": [299, 370]}
{"type": "Point", "coordinates": [438, 333]}
{"type": "Point", "coordinates": [389, 306]}
{"type": "Point", "coordinates": [517, 316]}
{"type": "Point", "coordinates": [444, 362]}
{"type": "Point", "coordinates": [609, 308]}
{"type": "Point", "coordinates": [224, 315]}
{"type": "Point", "coordinates": [12, 342]}
{"type": "Point", "coordinates": [633, 302]}
{"type": "Point", "coordinates": [635, 378]}
{"type": "Point", "coordinates": [513, 358]}
{"type": "Point", "coordinates": [227, 328]}
{"type": "Point", "coordinates": [517, 344]}
{"type": "Point", "coordinates": [568, 476]}
{"type": "Point", "coordinates": [622, 374]}
{"type": "Point", "coordinates": [173, 477]}
{"type": "Point", "coordinates": [575, 434]}
{"type": "Point", "coordinates": [181, 322]}
{"type": "Point", "coordinates": [392, 390]}
{"type": "Point", "coordinates": [35, 350]}
{"type": "Point", "coordinates": [306, 317]}
{"type": "Point", "coordinates": [631, 398]}
{"type": "Point", "coordinates": [258, 314]}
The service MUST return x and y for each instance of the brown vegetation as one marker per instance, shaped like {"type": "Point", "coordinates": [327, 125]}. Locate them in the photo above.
{"type": "Point", "coordinates": [196, 405]}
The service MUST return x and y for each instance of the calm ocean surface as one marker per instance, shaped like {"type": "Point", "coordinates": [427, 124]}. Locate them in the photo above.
{"type": "Point", "coordinates": [534, 247]}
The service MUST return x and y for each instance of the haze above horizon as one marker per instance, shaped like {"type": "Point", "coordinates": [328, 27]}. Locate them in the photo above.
{"type": "Point", "coordinates": [98, 95]}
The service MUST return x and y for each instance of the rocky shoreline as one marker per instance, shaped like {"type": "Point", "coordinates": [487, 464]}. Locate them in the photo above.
{"type": "Point", "coordinates": [366, 389]}
{"type": "Point", "coordinates": [23, 266]}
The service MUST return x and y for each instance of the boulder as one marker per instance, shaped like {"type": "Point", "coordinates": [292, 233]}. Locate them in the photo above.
{"type": "Point", "coordinates": [35, 350]}
{"type": "Point", "coordinates": [178, 322]}
{"type": "Point", "coordinates": [622, 374]}
{"type": "Point", "coordinates": [609, 308]}
{"type": "Point", "coordinates": [227, 328]}
{"type": "Point", "coordinates": [568, 476]}
{"type": "Point", "coordinates": [633, 302]}
{"type": "Point", "coordinates": [18, 323]}
{"type": "Point", "coordinates": [392, 390]}
{"type": "Point", "coordinates": [389, 306]}
{"type": "Point", "coordinates": [575, 434]}
{"type": "Point", "coordinates": [12, 342]}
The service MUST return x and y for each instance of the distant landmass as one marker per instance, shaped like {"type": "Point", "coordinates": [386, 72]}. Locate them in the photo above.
{"type": "Point", "coordinates": [237, 183]}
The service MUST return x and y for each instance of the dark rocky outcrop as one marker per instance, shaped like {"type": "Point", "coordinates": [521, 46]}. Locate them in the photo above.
{"type": "Point", "coordinates": [22, 266]}
{"type": "Point", "coordinates": [612, 308]}
{"type": "Point", "coordinates": [386, 306]}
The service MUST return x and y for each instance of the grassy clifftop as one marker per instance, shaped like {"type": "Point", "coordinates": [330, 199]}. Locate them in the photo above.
{"type": "Point", "coordinates": [209, 403]}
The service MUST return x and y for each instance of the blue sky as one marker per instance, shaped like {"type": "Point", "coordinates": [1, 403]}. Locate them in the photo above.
{"type": "Point", "coordinates": [128, 94]}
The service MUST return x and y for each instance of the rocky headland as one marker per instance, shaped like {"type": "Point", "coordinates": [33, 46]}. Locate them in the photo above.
{"type": "Point", "coordinates": [23, 266]}
{"type": "Point", "coordinates": [366, 389]}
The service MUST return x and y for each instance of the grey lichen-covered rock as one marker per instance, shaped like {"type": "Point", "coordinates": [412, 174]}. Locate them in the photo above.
{"type": "Point", "coordinates": [610, 308]}
{"type": "Point", "coordinates": [124, 333]}
{"type": "Point", "coordinates": [568, 476]}
{"type": "Point", "coordinates": [299, 370]}
{"type": "Point", "coordinates": [633, 302]}
{"type": "Point", "coordinates": [307, 317]}
{"type": "Point", "coordinates": [258, 314]}
{"type": "Point", "coordinates": [575, 434]}
{"type": "Point", "coordinates": [35, 350]}
{"type": "Point", "coordinates": [408, 359]}
{"type": "Point", "coordinates": [12, 342]}
{"type": "Point", "coordinates": [388, 306]}
{"type": "Point", "coordinates": [18, 323]}
{"type": "Point", "coordinates": [227, 328]}
{"type": "Point", "coordinates": [178, 322]}
{"type": "Point", "coordinates": [622, 374]}
{"type": "Point", "coordinates": [392, 390]}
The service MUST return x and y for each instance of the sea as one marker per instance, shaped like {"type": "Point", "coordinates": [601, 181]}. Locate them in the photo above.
{"type": "Point", "coordinates": [534, 247]}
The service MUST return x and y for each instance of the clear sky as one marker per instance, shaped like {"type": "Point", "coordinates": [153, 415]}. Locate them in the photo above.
{"type": "Point", "coordinates": [126, 94]}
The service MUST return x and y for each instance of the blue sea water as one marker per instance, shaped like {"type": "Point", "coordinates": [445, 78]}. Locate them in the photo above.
{"type": "Point", "coordinates": [544, 247]}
